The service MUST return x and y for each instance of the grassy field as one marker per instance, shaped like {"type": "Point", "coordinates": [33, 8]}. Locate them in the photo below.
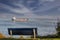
{"type": "Point", "coordinates": [50, 39]}
{"type": "Point", "coordinates": [31, 39]}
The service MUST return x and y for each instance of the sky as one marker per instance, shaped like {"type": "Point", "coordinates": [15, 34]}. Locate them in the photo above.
{"type": "Point", "coordinates": [48, 10]}
{"type": "Point", "coordinates": [30, 8]}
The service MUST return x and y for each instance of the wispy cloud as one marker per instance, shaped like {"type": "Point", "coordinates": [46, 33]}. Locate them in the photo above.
{"type": "Point", "coordinates": [22, 9]}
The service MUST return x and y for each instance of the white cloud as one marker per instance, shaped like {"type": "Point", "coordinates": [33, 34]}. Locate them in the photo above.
{"type": "Point", "coordinates": [27, 12]}
{"type": "Point", "coordinates": [23, 10]}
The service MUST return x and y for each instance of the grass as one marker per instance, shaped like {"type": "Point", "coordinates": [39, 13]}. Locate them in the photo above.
{"type": "Point", "coordinates": [50, 38]}
{"type": "Point", "coordinates": [15, 39]}
{"type": "Point", "coordinates": [31, 39]}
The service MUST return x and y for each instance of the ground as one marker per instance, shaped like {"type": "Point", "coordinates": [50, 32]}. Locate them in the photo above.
{"type": "Point", "coordinates": [31, 39]}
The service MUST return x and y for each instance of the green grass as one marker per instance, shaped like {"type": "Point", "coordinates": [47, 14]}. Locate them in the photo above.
{"type": "Point", "coordinates": [31, 39]}
{"type": "Point", "coordinates": [50, 38]}
{"type": "Point", "coordinates": [15, 39]}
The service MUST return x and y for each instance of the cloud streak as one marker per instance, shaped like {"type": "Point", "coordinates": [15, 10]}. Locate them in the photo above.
{"type": "Point", "coordinates": [22, 9]}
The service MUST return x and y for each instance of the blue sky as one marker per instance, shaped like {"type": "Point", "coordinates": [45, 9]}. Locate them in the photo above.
{"type": "Point", "coordinates": [30, 8]}
{"type": "Point", "coordinates": [44, 13]}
